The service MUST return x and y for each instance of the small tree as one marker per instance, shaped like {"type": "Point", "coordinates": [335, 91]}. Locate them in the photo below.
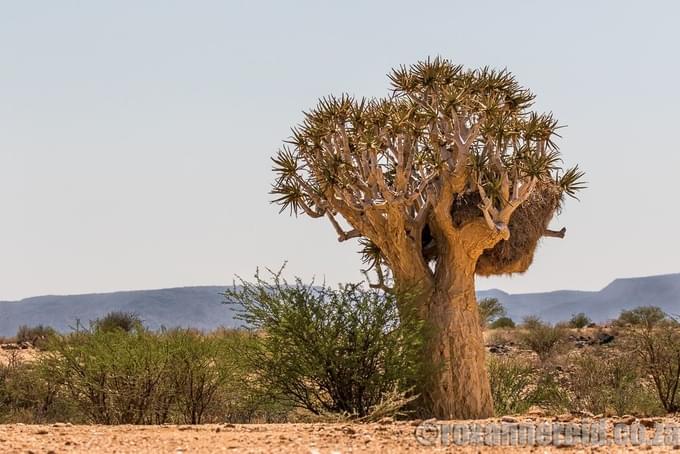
{"type": "Point", "coordinates": [510, 384]}
{"type": "Point", "coordinates": [642, 316]}
{"type": "Point", "coordinates": [450, 176]}
{"type": "Point", "coordinates": [532, 322]}
{"type": "Point", "coordinates": [38, 336]}
{"type": "Point", "coordinates": [543, 339]}
{"type": "Point", "coordinates": [202, 366]}
{"type": "Point", "coordinates": [502, 322]}
{"type": "Point", "coordinates": [124, 321]}
{"type": "Point", "coordinates": [329, 351]}
{"type": "Point", "coordinates": [579, 321]}
{"type": "Point", "coordinates": [657, 346]}
{"type": "Point", "coordinates": [603, 380]}
{"type": "Point", "coordinates": [489, 310]}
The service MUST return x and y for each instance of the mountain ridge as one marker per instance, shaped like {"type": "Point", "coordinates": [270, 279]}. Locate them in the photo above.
{"type": "Point", "coordinates": [201, 306]}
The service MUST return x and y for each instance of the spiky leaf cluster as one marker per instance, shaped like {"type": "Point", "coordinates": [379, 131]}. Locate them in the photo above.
{"type": "Point", "coordinates": [444, 129]}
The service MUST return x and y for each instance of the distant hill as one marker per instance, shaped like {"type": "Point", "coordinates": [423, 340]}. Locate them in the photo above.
{"type": "Point", "coordinates": [600, 306]}
{"type": "Point", "coordinates": [202, 308]}
{"type": "Point", "coordinates": [196, 307]}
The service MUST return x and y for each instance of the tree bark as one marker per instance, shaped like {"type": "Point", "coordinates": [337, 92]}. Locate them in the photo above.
{"type": "Point", "coordinates": [459, 385]}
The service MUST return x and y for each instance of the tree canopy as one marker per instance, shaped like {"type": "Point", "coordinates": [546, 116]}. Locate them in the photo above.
{"type": "Point", "coordinates": [450, 154]}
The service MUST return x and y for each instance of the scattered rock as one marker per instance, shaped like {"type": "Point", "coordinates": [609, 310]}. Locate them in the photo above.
{"type": "Point", "coordinates": [416, 422]}
{"type": "Point", "coordinates": [535, 411]}
{"type": "Point", "coordinates": [9, 347]}
{"type": "Point", "coordinates": [627, 419]}
{"type": "Point", "coordinates": [499, 349]}
{"type": "Point", "coordinates": [647, 422]}
{"type": "Point", "coordinates": [508, 419]}
{"type": "Point", "coordinates": [604, 338]}
{"type": "Point", "coordinates": [566, 417]}
{"type": "Point", "coordinates": [348, 430]}
{"type": "Point", "coordinates": [42, 432]}
{"type": "Point", "coordinates": [386, 420]}
{"type": "Point", "coordinates": [229, 426]}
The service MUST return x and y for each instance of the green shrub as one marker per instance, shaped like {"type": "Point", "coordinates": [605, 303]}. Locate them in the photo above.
{"type": "Point", "coordinates": [543, 339]}
{"type": "Point", "coordinates": [490, 309]}
{"type": "Point", "coordinates": [548, 392]}
{"type": "Point", "coordinates": [502, 322]}
{"type": "Point", "coordinates": [111, 376]}
{"type": "Point", "coordinates": [125, 321]}
{"type": "Point", "coordinates": [140, 377]}
{"type": "Point", "coordinates": [606, 382]}
{"type": "Point", "coordinates": [657, 347]}
{"type": "Point", "coordinates": [510, 381]}
{"type": "Point", "coordinates": [114, 377]}
{"type": "Point", "coordinates": [325, 350]}
{"type": "Point", "coordinates": [31, 394]}
{"type": "Point", "coordinates": [642, 316]}
{"type": "Point", "coordinates": [37, 336]}
{"type": "Point", "coordinates": [531, 321]}
{"type": "Point", "coordinates": [205, 374]}
{"type": "Point", "coordinates": [579, 321]}
{"type": "Point", "coordinates": [516, 385]}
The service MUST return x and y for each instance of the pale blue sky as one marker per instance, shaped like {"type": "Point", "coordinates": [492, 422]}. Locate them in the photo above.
{"type": "Point", "coordinates": [135, 136]}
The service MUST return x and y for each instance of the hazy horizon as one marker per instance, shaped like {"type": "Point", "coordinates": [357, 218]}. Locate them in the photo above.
{"type": "Point", "coordinates": [135, 138]}
{"type": "Point", "coordinates": [132, 290]}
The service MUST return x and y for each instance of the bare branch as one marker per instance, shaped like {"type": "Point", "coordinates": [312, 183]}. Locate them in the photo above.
{"type": "Point", "coordinates": [319, 212]}
{"type": "Point", "coordinates": [555, 233]}
{"type": "Point", "coordinates": [342, 235]}
{"type": "Point", "coordinates": [381, 284]}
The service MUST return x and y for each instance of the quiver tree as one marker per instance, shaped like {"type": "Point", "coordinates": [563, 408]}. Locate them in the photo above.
{"type": "Point", "coordinates": [450, 176]}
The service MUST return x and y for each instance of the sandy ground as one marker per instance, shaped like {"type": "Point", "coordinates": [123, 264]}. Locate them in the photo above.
{"type": "Point", "coordinates": [22, 355]}
{"type": "Point", "coordinates": [385, 437]}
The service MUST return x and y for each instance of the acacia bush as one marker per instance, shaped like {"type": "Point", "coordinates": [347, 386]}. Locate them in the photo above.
{"type": "Point", "coordinates": [137, 377]}
{"type": "Point", "coordinates": [603, 381]}
{"type": "Point", "coordinates": [642, 316]}
{"type": "Point", "coordinates": [531, 321]}
{"type": "Point", "coordinates": [38, 336]}
{"type": "Point", "coordinates": [142, 377]}
{"type": "Point", "coordinates": [114, 377]}
{"type": "Point", "coordinates": [517, 384]}
{"type": "Point", "coordinates": [657, 348]}
{"type": "Point", "coordinates": [502, 322]}
{"type": "Point", "coordinates": [490, 309]}
{"type": "Point", "coordinates": [30, 394]}
{"type": "Point", "coordinates": [325, 350]}
{"type": "Point", "coordinates": [579, 321]}
{"type": "Point", "coordinates": [125, 321]}
{"type": "Point", "coordinates": [510, 381]}
{"type": "Point", "coordinates": [542, 338]}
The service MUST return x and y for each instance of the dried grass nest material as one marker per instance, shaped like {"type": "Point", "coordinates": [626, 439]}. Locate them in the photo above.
{"type": "Point", "coordinates": [527, 226]}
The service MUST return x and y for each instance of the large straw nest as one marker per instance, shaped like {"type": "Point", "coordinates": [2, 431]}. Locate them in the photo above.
{"type": "Point", "coordinates": [527, 225]}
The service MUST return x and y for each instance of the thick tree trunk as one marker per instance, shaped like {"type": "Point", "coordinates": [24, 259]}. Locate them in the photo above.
{"type": "Point", "coordinates": [459, 385]}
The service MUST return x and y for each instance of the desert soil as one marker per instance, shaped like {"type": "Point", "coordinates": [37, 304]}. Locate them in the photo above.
{"type": "Point", "coordinates": [321, 438]}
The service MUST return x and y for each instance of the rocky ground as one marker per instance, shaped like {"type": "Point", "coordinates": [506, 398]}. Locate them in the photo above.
{"type": "Point", "coordinates": [383, 437]}
{"type": "Point", "coordinates": [16, 352]}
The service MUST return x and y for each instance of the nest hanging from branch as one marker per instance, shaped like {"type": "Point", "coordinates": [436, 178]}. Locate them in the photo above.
{"type": "Point", "coordinates": [527, 226]}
